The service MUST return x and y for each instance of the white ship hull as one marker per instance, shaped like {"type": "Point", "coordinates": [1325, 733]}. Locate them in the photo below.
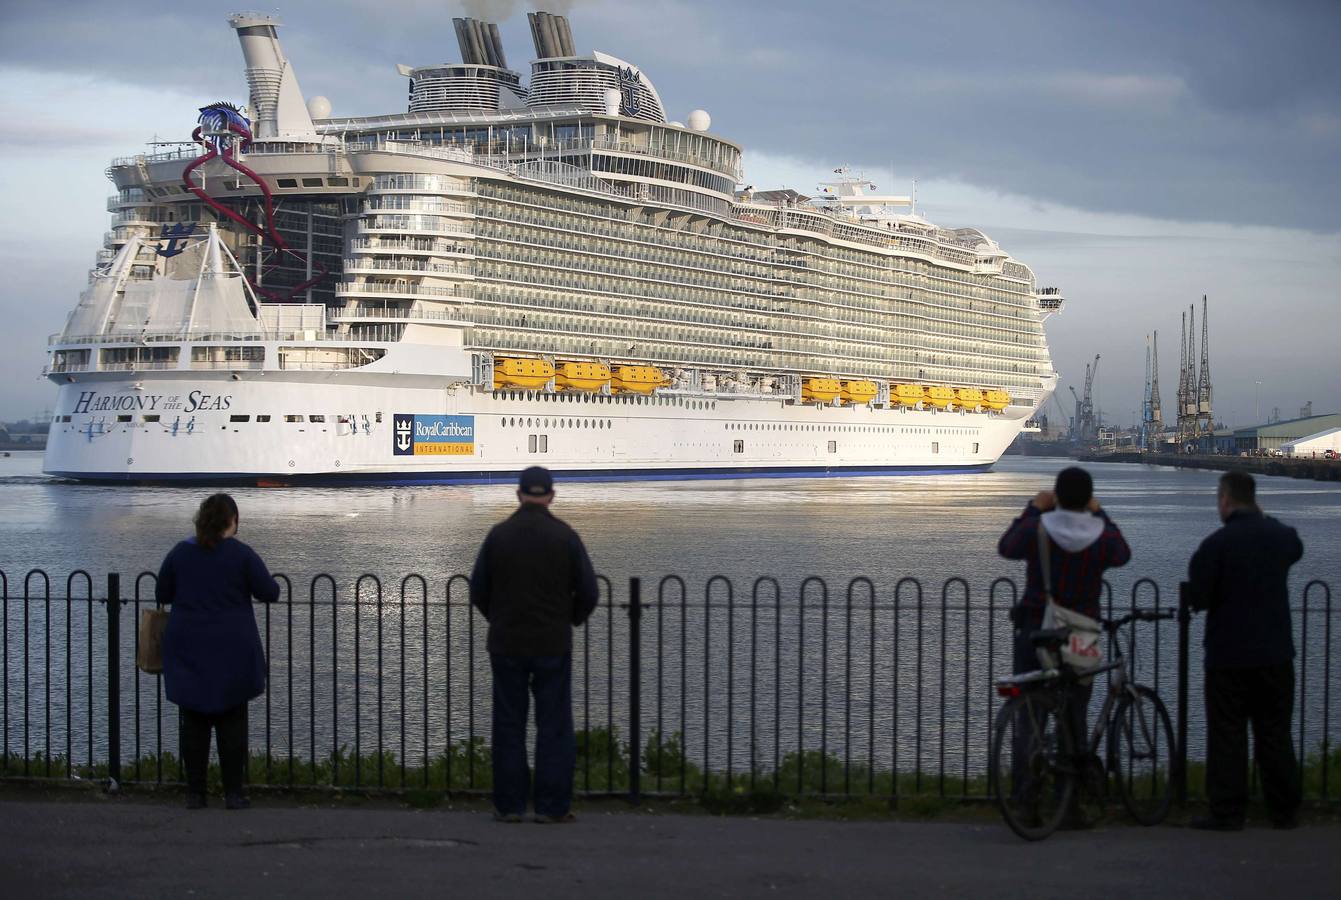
{"type": "Point", "coordinates": [376, 429]}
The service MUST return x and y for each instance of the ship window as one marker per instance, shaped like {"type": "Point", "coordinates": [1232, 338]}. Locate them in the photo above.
{"type": "Point", "coordinates": [239, 418]}
{"type": "Point", "coordinates": [316, 418]}
{"type": "Point", "coordinates": [293, 418]}
{"type": "Point", "coordinates": [151, 418]}
{"type": "Point", "coordinates": [123, 418]}
{"type": "Point", "coordinates": [833, 446]}
{"type": "Point", "coordinates": [379, 418]}
{"type": "Point", "coordinates": [935, 446]}
{"type": "Point", "coordinates": [975, 446]}
{"type": "Point", "coordinates": [338, 182]}
{"type": "Point", "coordinates": [530, 443]}
{"type": "Point", "coordinates": [544, 443]}
{"type": "Point", "coordinates": [263, 418]}
{"type": "Point", "coordinates": [738, 447]}
{"type": "Point", "coordinates": [311, 182]}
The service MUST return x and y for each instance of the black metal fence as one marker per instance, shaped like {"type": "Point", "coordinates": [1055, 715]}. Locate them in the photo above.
{"type": "Point", "coordinates": [677, 690]}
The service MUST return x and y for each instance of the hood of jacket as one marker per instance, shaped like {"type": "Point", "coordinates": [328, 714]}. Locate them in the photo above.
{"type": "Point", "coordinates": [1073, 530]}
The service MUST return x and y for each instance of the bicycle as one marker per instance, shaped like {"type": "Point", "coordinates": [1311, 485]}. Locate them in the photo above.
{"type": "Point", "coordinates": [1035, 769]}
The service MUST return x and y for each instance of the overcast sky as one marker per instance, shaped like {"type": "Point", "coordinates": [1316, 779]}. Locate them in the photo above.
{"type": "Point", "coordinates": [1136, 154]}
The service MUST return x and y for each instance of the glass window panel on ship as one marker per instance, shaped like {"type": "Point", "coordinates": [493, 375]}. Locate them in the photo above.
{"type": "Point", "coordinates": [302, 224]}
{"type": "Point", "coordinates": [640, 273]}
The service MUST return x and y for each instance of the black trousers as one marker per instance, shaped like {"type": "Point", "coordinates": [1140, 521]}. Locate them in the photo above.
{"type": "Point", "coordinates": [1264, 696]}
{"type": "Point", "coordinates": [230, 729]}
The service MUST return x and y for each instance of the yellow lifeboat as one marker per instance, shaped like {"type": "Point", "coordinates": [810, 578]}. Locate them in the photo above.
{"type": "Point", "coordinates": [997, 400]}
{"type": "Point", "coordinates": [940, 396]}
{"type": "Point", "coordinates": [858, 392]}
{"type": "Point", "coordinates": [522, 373]}
{"type": "Point", "coordinates": [821, 389]}
{"type": "Point", "coordinates": [581, 376]}
{"type": "Point", "coordinates": [909, 394]}
{"type": "Point", "coordinates": [637, 379]}
{"type": "Point", "coordinates": [968, 398]}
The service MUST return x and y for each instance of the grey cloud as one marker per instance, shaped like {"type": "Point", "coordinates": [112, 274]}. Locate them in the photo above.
{"type": "Point", "coordinates": [1219, 110]}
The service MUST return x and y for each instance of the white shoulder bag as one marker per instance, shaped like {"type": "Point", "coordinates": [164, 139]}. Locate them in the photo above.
{"type": "Point", "coordinates": [1083, 649]}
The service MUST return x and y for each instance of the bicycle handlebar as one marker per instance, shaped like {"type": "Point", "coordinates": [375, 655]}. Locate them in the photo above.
{"type": "Point", "coordinates": [1138, 615]}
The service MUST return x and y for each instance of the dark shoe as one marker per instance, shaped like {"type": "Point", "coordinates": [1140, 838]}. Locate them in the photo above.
{"type": "Point", "coordinates": [565, 819]}
{"type": "Point", "coordinates": [236, 801]}
{"type": "Point", "coordinates": [1215, 823]}
{"type": "Point", "coordinates": [509, 818]}
{"type": "Point", "coordinates": [195, 801]}
{"type": "Point", "coordinates": [1285, 823]}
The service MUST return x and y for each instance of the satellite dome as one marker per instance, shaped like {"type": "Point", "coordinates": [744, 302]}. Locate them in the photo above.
{"type": "Point", "coordinates": [699, 120]}
{"type": "Point", "coordinates": [319, 107]}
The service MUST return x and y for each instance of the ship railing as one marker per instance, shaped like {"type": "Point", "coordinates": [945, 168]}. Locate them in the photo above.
{"type": "Point", "coordinates": [343, 288]}
{"type": "Point", "coordinates": [407, 265]}
{"type": "Point", "coordinates": [367, 311]}
{"type": "Point", "coordinates": [408, 245]}
{"type": "Point", "coordinates": [734, 688]}
{"type": "Point", "coordinates": [227, 364]}
{"type": "Point", "coordinates": [147, 365]}
{"type": "Point", "coordinates": [180, 337]}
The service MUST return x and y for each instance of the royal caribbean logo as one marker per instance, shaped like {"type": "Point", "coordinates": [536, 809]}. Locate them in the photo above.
{"type": "Point", "coordinates": [413, 435]}
{"type": "Point", "coordinates": [175, 235]}
{"type": "Point", "coordinates": [628, 90]}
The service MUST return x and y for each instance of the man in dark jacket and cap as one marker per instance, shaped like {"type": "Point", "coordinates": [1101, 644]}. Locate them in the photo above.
{"type": "Point", "coordinates": [1239, 575]}
{"type": "Point", "coordinates": [534, 583]}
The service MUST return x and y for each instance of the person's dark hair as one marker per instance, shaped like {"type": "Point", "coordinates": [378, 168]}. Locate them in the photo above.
{"type": "Point", "coordinates": [1074, 488]}
{"type": "Point", "coordinates": [216, 513]}
{"type": "Point", "coordinates": [1240, 488]}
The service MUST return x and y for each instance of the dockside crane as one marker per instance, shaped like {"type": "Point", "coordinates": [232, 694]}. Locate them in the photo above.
{"type": "Point", "coordinates": [1085, 429]}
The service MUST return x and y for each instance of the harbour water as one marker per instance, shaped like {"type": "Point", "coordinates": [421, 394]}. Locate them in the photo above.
{"type": "Point", "coordinates": [929, 527]}
{"type": "Point", "coordinates": [901, 685]}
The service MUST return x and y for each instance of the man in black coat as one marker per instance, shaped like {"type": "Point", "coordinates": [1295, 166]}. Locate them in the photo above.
{"type": "Point", "coordinates": [1239, 575]}
{"type": "Point", "coordinates": [534, 583]}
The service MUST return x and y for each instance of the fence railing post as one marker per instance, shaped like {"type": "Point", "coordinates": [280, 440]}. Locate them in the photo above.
{"type": "Point", "coordinates": [635, 690]}
{"type": "Point", "coordinates": [1184, 637]}
{"type": "Point", "coordinates": [113, 680]}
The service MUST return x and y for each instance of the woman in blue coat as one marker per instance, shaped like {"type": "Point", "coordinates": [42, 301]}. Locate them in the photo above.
{"type": "Point", "coordinates": [213, 661]}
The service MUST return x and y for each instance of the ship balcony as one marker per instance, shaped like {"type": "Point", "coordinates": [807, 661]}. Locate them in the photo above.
{"type": "Point", "coordinates": [117, 203]}
{"type": "Point", "coordinates": [410, 246]}
{"type": "Point", "coordinates": [1050, 299]}
{"type": "Point", "coordinates": [227, 365]}
{"type": "Point", "coordinates": [410, 267]}
{"type": "Point", "coordinates": [378, 203]}
{"type": "Point", "coordinates": [60, 368]}
{"type": "Point", "coordinates": [371, 312]}
{"type": "Point", "coordinates": [375, 226]}
{"type": "Point", "coordinates": [409, 291]}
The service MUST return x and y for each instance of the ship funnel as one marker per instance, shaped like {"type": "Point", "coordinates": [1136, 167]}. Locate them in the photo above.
{"type": "Point", "coordinates": [277, 106]}
{"type": "Point", "coordinates": [551, 35]}
{"type": "Point", "coordinates": [480, 43]}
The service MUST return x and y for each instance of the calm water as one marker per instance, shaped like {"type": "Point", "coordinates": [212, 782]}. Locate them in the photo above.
{"type": "Point", "coordinates": [872, 680]}
{"type": "Point", "coordinates": [931, 527]}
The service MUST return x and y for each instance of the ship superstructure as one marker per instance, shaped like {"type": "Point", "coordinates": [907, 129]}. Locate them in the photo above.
{"type": "Point", "coordinates": [510, 273]}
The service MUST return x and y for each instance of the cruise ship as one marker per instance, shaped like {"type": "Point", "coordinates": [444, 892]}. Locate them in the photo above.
{"type": "Point", "coordinates": [523, 271]}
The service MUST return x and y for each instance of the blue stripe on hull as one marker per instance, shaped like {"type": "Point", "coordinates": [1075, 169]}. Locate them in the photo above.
{"type": "Point", "coordinates": [357, 479]}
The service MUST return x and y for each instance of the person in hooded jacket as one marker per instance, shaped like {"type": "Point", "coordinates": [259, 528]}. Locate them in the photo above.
{"type": "Point", "coordinates": [213, 659]}
{"type": "Point", "coordinates": [1084, 543]}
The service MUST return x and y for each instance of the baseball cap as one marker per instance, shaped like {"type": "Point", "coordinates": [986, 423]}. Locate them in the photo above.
{"type": "Point", "coordinates": [536, 482]}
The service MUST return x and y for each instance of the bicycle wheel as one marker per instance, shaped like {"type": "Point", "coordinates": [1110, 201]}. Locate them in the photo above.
{"type": "Point", "coordinates": [1144, 750]}
{"type": "Point", "coordinates": [1031, 767]}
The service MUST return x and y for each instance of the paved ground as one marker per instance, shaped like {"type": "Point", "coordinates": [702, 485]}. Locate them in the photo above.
{"type": "Point", "coordinates": [62, 847]}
